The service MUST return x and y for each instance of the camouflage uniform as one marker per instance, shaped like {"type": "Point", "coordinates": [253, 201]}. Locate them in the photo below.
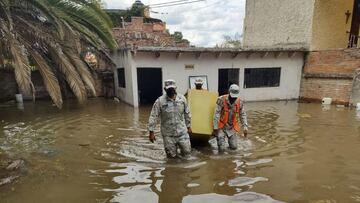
{"type": "Point", "coordinates": [175, 119]}
{"type": "Point", "coordinates": [228, 131]}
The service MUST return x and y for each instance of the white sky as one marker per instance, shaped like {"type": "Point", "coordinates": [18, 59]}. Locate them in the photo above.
{"type": "Point", "coordinates": [202, 23]}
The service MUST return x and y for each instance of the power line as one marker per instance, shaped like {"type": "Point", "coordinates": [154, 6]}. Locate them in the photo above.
{"type": "Point", "coordinates": [157, 12]}
{"type": "Point", "coordinates": [170, 2]}
{"type": "Point", "coordinates": [176, 4]}
{"type": "Point", "coordinates": [213, 4]}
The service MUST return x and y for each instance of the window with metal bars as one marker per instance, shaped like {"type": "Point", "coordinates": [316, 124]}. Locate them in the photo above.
{"type": "Point", "coordinates": [121, 77]}
{"type": "Point", "coordinates": [262, 77]}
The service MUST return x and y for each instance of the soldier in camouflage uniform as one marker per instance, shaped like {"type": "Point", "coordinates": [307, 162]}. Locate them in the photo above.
{"type": "Point", "coordinates": [229, 113]}
{"type": "Point", "coordinates": [175, 118]}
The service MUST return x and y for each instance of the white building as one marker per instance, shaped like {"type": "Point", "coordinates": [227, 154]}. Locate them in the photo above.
{"type": "Point", "coordinates": [261, 74]}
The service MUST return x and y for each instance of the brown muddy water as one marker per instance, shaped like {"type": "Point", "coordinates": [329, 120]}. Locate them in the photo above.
{"type": "Point", "coordinates": [100, 153]}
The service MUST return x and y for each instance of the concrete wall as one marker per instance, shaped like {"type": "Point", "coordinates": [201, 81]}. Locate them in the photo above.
{"type": "Point", "coordinates": [208, 64]}
{"type": "Point", "coordinates": [355, 93]}
{"type": "Point", "coordinates": [8, 86]}
{"type": "Point", "coordinates": [329, 28]}
{"type": "Point", "coordinates": [124, 60]}
{"type": "Point", "coordinates": [278, 23]}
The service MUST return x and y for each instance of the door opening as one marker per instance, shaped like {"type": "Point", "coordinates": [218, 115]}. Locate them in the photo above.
{"type": "Point", "coordinates": [355, 25]}
{"type": "Point", "coordinates": [227, 77]}
{"type": "Point", "coordinates": [149, 84]}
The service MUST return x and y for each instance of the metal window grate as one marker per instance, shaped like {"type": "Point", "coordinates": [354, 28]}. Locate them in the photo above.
{"type": "Point", "coordinates": [262, 77]}
{"type": "Point", "coordinates": [121, 77]}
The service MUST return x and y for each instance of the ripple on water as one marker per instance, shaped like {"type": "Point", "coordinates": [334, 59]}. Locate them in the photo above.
{"type": "Point", "coordinates": [131, 173]}
{"type": "Point", "coordinates": [141, 150]}
{"type": "Point", "coordinates": [244, 181]}
{"type": "Point", "coordinates": [259, 161]}
{"type": "Point", "coordinates": [138, 193]}
{"type": "Point", "coordinates": [22, 138]}
{"type": "Point", "coordinates": [244, 197]}
{"type": "Point", "coordinates": [191, 185]}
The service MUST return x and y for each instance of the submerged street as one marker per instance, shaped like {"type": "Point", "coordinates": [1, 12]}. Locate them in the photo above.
{"type": "Point", "coordinates": [100, 153]}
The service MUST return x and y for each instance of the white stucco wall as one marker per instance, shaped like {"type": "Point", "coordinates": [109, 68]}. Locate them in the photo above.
{"type": "Point", "coordinates": [208, 64]}
{"type": "Point", "coordinates": [124, 60]}
{"type": "Point", "coordinates": [278, 23]}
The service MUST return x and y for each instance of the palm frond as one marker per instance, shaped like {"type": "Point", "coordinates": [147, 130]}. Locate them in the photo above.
{"type": "Point", "coordinates": [96, 7]}
{"type": "Point", "coordinates": [83, 71]}
{"type": "Point", "coordinates": [86, 16]}
{"type": "Point", "coordinates": [49, 78]}
{"type": "Point", "coordinates": [77, 23]}
{"type": "Point", "coordinates": [21, 66]}
{"type": "Point", "coordinates": [45, 7]}
{"type": "Point", "coordinates": [5, 13]}
{"type": "Point", "coordinates": [72, 38]}
{"type": "Point", "coordinates": [20, 62]}
{"type": "Point", "coordinates": [71, 75]}
{"type": "Point", "coordinates": [86, 33]}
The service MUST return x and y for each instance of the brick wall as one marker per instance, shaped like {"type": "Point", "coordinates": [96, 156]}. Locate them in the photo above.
{"type": "Point", "coordinates": [314, 89]}
{"type": "Point", "coordinates": [329, 74]}
{"type": "Point", "coordinates": [137, 33]}
{"type": "Point", "coordinates": [344, 61]}
{"type": "Point", "coordinates": [161, 27]}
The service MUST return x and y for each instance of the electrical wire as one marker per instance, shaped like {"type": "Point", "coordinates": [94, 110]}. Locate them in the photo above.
{"type": "Point", "coordinates": [176, 4]}
{"type": "Point", "coordinates": [170, 2]}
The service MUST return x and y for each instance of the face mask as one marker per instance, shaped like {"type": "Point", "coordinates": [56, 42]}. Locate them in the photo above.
{"type": "Point", "coordinates": [231, 99]}
{"type": "Point", "coordinates": [198, 87]}
{"type": "Point", "coordinates": [170, 92]}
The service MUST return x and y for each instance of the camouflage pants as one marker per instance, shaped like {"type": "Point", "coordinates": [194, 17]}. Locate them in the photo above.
{"type": "Point", "coordinates": [231, 136]}
{"type": "Point", "coordinates": [171, 145]}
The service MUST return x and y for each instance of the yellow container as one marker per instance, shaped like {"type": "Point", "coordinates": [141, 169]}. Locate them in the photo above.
{"type": "Point", "coordinates": [202, 105]}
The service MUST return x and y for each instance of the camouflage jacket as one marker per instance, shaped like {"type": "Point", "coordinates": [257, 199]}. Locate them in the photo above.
{"type": "Point", "coordinates": [174, 115]}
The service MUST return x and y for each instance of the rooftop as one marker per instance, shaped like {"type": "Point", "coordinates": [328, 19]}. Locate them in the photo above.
{"type": "Point", "coordinates": [212, 50]}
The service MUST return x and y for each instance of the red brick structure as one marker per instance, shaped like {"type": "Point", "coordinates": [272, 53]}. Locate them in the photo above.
{"type": "Point", "coordinates": [329, 74]}
{"type": "Point", "coordinates": [146, 32]}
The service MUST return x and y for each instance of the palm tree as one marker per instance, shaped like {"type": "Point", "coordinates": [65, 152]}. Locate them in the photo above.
{"type": "Point", "coordinates": [51, 35]}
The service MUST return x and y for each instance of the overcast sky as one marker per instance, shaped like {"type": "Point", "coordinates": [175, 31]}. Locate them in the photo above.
{"type": "Point", "coordinates": [203, 23]}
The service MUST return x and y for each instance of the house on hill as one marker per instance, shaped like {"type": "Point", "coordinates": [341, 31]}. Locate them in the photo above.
{"type": "Point", "coordinates": [135, 28]}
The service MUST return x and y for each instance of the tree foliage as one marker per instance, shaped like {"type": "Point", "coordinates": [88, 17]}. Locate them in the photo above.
{"type": "Point", "coordinates": [231, 41]}
{"type": "Point", "coordinates": [133, 11]}
{"type": "Point", "coordinates": [51, 34]}
{"type": "Point", "coordinates": [178, 37]}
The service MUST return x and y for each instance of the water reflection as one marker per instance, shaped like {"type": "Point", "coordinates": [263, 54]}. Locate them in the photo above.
{"type": "Point", "coordinates": [100, 153]}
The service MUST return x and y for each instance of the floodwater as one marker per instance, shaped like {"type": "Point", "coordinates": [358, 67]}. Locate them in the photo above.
{"type": "Point", "coordinates": [100, 153]}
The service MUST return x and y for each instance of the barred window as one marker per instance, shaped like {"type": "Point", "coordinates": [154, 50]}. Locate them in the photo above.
{"type": "Point", "coordinates": [262, 77]}
{"type": "Point", "coordinates": [121, 77]}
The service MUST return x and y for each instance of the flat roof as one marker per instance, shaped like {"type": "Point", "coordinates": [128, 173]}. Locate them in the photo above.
{"type": "Point", "coordinates": [211, 50]}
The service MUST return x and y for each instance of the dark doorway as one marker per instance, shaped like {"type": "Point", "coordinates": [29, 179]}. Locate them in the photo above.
{"type": "Point", "coordinates": [108, 84]}
{"type": "Point", "coordinates": [227, 77]}
{"type": "Point", "coordinates": [355, 25]}
{"type": "Point", "coordinates": [149, 84]}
